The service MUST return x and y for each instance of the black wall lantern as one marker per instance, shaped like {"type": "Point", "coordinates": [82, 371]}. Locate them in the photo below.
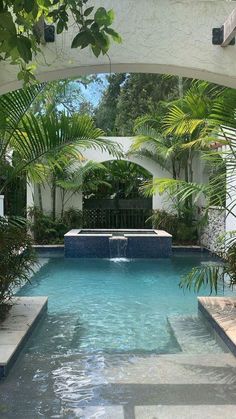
{"type": "Point", "coordinates": [218, 36]}
{"type": "Point", "coordinates": [49, 33]}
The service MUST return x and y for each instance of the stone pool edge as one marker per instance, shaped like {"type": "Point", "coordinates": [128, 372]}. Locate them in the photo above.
{"type": "Point", "coordinates": [15, 330]}
{"type": "Point", "coordinates": [220, 312]}
{"type": "Point", "coordinates": [57, 250]}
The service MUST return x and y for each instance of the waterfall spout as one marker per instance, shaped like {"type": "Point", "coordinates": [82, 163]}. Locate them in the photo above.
{"type": "Point", "coordinates": [118, 247]}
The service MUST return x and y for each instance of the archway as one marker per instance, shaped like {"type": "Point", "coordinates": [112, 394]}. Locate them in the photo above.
{"type": "Point", "coordinates": [116, 201]}
{"type": "Point", "coordinates": [165, 36]}
{"type": "Point", "coordinates": [99, 156]}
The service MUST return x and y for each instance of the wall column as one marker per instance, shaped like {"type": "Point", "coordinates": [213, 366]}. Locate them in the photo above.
{"type": "Point", "coordinates": [29, 195]}
{"type": "Point", "coordinates": [1, 205]}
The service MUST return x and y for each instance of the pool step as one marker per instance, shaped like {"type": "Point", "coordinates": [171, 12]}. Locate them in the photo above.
{"type": "Point", "coordinates": [193, 336]}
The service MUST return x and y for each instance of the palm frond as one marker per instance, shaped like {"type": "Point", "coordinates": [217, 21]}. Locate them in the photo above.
{"type": "Point", "coordinates": [205, 276]}
{"type": "Point", "coordinates": [13, 107]}
{"type": "Point", "coordinates": [179, 188]}
{"type": "Point", "coordinates": [43, 136]}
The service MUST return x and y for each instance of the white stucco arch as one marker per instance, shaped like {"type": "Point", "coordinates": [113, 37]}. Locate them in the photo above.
{"type": "Point", "coordinates": [159, 36]}
{"type": "Point", "coordinates": [158, 201]}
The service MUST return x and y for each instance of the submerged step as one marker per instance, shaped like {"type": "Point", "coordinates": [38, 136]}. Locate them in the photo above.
{"type": "Point", "coordinates": [193, 335]}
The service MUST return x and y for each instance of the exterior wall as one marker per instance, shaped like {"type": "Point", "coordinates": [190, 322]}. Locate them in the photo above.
{"type": "Point", "coordinates": [214, 228]}
{"type": "Point", "coordinates": [74, 202]}
{"type": "Point", "coordinates": [158, 201]}
{"type": "Point", "coordinates": [165, 36]}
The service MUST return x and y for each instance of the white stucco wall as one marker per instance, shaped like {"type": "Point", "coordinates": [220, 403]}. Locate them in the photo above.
{"type": "Point", "coordinates": [158, 201]}
{"type": "Point", "coordinates": [1, 205]}
{"type": "Point", "coordinates": [159, 36]}
{"type": "Point", "coordinates": [75, 201]}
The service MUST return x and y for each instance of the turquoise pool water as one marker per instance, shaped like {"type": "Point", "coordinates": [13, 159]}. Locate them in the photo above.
{"type": "Point", "coordinates": [103, 317]}
{"type": "Point", "coordinates": [121, 306]}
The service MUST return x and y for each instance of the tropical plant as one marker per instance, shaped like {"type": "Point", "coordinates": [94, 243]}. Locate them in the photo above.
{"type": "Point", "coordinates": [212, 275]}
{"type": "Point", "coordinates": [31, 139]}
{"type": "Point", "coordinates": [129, 96]}
{"type": "Point", "coordinates": [16, 262]}
{"type": "Point", "coordinates": [73, 176]}
{"type": "Point", "coordinates": [181, 232]}
{"type": "Point", "coordinates": [65, 95]}
{"type": "Point", "coordinates": [217, 129]}
{"type": "Point", "coordinates": [47, 230]}
{"type": "Point", "coordinates": [120, 179]}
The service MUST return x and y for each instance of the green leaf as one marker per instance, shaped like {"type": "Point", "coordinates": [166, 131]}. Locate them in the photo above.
{"type": "Point", "coordinates": [102, 18]}
{"type": "Point", "coordinates": [60, 26]}
{"type": "Point", "coordinates": [111, 16]}
{"type": "Point", "coordinates": [6, 22]}
{"type": "Point", "coordinates": [21, 75]}
{"type": "Point", "coordinates": [4, 35]}
{"type": "Point", "coordinates": [23, 45]}
{"type": "Point", "coordinates": [29, 5]}
{"type": "Point", "coordinates": [96, 50]}
{"type": "Point", "coordinates": [82, 39]}
{"type": "Point", "coordinates": [115, 36]}
{"type": "Point", "coordinates": [101, 40]}
{"type": "Point", "coordinates": [88, 11]}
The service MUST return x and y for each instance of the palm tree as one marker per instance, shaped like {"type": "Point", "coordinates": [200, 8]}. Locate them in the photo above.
{"type": "Point", "coordinates": [213, 124]}
{"type": "Point", "coordinates": [35, 138]}
{"type": "Point", "coordinates": [71, 178]}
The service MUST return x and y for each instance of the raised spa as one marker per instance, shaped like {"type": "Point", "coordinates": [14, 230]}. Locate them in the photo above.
{"type": "Point", "coordinates": [117, 243]}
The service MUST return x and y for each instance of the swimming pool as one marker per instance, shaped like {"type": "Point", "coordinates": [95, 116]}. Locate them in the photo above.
{"type": "Point", "coordinates": [116, 305]}
{"type": "Point", "coordinates": [101, 313]}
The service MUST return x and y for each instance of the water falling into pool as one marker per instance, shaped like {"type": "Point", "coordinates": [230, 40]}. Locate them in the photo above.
{"type": "Point", "coordinates": [118, 247]}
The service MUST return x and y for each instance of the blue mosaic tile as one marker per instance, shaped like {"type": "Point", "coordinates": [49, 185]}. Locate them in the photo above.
{"type": "Point", "coordinates": [98, 247]}
{"type": "Point", "coordinates": [87, 247]}
{"type": "Point", "coordinates": [2, 371]}
{"type": "Point", "coordinates": [149, 247]}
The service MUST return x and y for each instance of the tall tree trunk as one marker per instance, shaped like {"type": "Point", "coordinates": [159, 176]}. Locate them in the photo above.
{"type": "Point", "coordinates": [53, 194]}
{"type": "Point", "coordinates": [180, 87]}
{"type": "Point", "coordinates": [40, 197]}
{"type": "Point", "coordinates": [174, 174]}
{"type": "Point", "coordinates": [62, 201]}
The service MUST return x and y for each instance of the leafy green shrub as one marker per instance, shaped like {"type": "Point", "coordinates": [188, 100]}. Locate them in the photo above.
{"type": "Point", "coordinates": [73, 218]}
{"type": "Point", "coordinates": [177, 227]}
{"type": "Point", "coordinates": [163, 220]}
{"type": "Point", "coordinates": [49, 231]}
{"type": "Point", "coordinates": [186, 233]}
{"type": "Point", "coordinates": [16, 260]}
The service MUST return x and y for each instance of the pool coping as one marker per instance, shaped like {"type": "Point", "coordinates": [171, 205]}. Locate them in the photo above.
{"type": "Point", "coordinates": [221, 314]}
{"type": "Point", "coordinates": [175, 248]}
{"type": "Point", "coordinates": [126, 233]}
{"type": "Point", "coordinates": [19, 324]}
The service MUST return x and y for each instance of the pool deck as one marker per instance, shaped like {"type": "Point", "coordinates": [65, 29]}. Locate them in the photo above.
{"type": "Point", "coordinates": [17, 327]}
{"type": "Point", "coordinates": [221, 314]}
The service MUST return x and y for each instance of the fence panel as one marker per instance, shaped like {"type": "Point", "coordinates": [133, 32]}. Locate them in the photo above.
{"type": "Point", "coordinates": [121, 218]}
